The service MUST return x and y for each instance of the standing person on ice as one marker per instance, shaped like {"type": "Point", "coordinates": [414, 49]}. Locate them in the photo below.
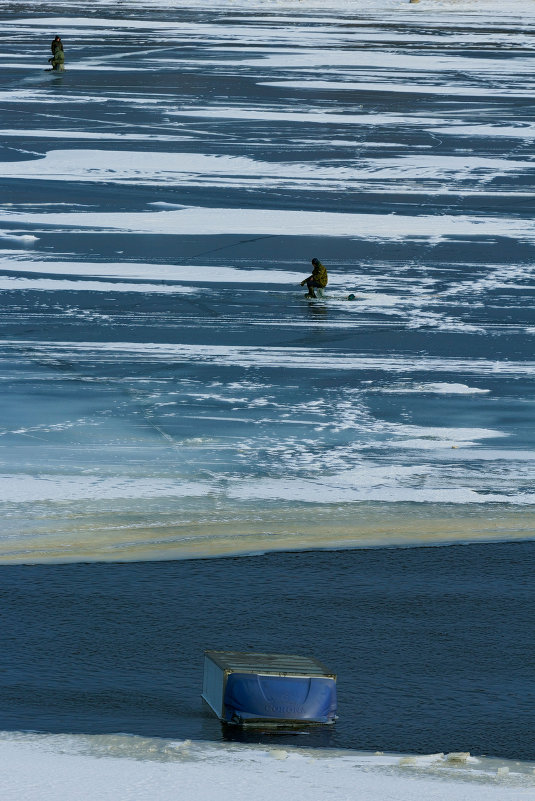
{"type": "Point", "coordinates": [318, 279]}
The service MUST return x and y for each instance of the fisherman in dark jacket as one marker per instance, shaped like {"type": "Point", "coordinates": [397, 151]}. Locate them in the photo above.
{"type": "Point", "coordinates": [56, 42]}
{"type": "Point", "coordinates": [318, 279]}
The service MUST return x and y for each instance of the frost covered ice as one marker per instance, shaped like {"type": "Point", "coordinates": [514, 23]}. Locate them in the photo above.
{"type": "Point", "coordinates": [108, 768]}
{"type": "Point", "coordinates": [161, 203]}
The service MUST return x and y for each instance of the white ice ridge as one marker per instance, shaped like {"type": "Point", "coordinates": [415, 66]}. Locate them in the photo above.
{"type": "Point", "coordinates": [250, 355]}
{"type": "Point", "coordinates": [275, 222]}
{"type": "Point", "coordinates": [127, 768]}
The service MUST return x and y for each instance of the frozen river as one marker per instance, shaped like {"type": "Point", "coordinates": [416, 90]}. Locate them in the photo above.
{"type": "Point", "coordinates": [167, 390]}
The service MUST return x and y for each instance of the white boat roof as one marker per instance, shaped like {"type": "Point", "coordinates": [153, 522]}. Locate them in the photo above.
{"type": "Point", "coordinates": [277, 664]}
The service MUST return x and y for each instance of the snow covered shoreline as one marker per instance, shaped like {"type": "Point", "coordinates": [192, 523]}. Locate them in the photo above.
{"type": "Point", "coordinates": [66, 767]}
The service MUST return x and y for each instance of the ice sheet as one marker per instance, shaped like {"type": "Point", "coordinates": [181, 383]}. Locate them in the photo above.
{"type": "Point", "coordinates": [168, 390]}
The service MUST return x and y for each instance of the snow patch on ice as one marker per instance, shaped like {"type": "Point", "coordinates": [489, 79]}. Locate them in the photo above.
{"type": "Point", "coordinates": [435, 387]}
{"type": "Point", "coordinates": [273, 222]}
{"type": "Point", "coordinates": [142, 271]}
{"type": "Point", "coordinates": [28, 238]}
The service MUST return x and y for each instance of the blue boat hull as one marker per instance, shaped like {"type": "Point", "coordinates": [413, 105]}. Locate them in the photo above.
{"type": "Point", "coordinates": [251, 698]}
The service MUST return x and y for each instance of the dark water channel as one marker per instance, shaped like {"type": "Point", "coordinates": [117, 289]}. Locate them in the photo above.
{"type": "Point", "coordinates": [434, 647]}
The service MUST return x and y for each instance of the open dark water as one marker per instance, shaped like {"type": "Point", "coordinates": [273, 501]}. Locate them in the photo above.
{"type": "Point", "coordinates": [434, 647]}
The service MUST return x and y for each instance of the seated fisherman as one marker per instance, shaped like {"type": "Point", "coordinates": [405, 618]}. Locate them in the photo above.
{"type": "Point", "coordinates": [58, 56]}
{"type": "Point", "coordinates": [318, 279]}
{"type": "Point", "coordinates": [58, 60]}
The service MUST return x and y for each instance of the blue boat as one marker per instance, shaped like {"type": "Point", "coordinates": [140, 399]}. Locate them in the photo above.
{"type": "Point", "coordinates": [248, 689]}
